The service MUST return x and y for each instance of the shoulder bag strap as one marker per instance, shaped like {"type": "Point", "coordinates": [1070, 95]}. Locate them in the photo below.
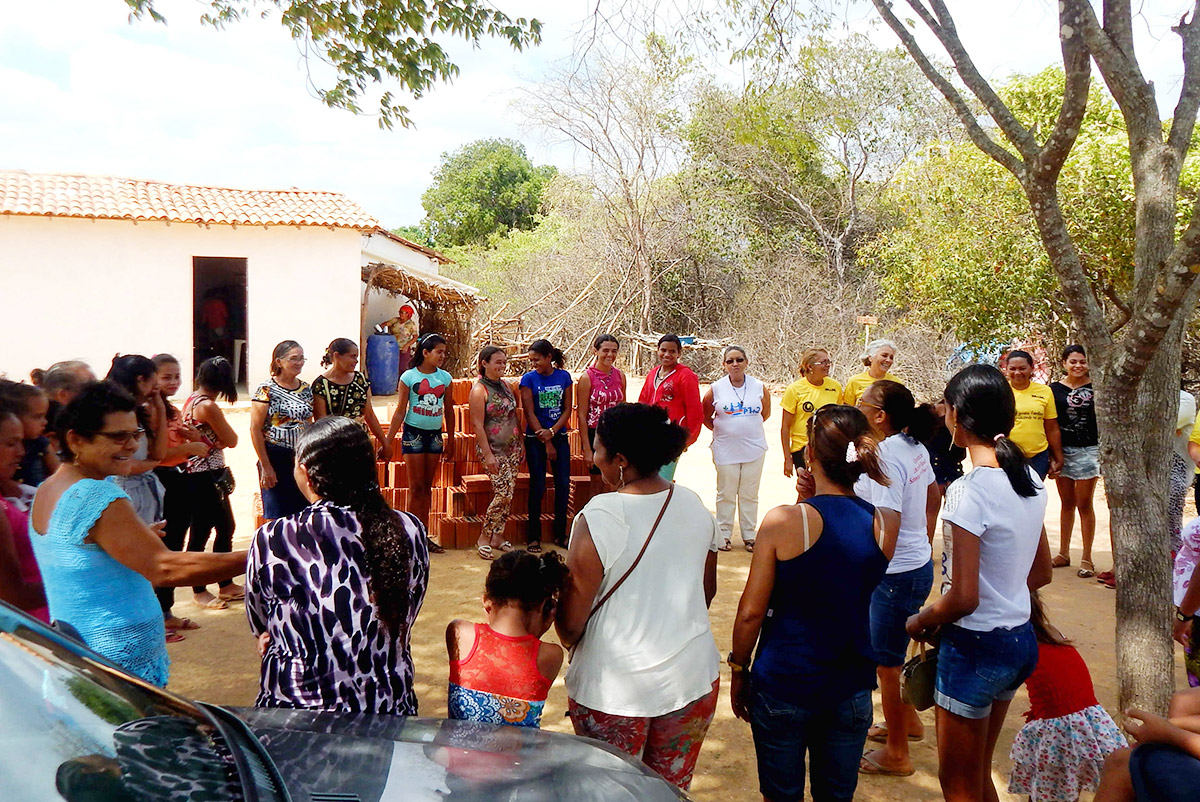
{"type": "Point", "coordinates": [804, 518]}
{"type": "Point", "coordinates": [636, 560]}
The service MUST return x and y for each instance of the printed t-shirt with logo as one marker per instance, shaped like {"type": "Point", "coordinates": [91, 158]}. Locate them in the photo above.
{"type": "Point", "coordinates": [548, 394]}
{"type": "Point", "coordinates": [802, 398]}
{"type": "Point", "coordinates": [1076, 414]}
{"type": "Point", "coordinates": [1035, 404]}
{"type": "Point", "coordinates": [856, 385]}
{"type": "Point", "coordinates": [426, 397]}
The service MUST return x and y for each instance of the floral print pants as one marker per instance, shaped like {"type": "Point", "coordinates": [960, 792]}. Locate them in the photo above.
{"type": "Point", "coordinates": [504, 484]}
{"type": "Point", "coordinates": [669, 744]}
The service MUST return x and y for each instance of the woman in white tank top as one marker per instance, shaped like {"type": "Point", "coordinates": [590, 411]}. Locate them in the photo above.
{"type": "Point", "coordinates": [735, 408]}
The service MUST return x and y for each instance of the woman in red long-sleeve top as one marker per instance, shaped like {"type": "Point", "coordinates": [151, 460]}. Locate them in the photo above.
{"type": "Point", "coordinates": [675, 388]}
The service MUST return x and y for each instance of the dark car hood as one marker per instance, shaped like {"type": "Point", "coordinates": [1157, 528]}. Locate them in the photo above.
{"type": "Point", "coordinates": [327, 757]}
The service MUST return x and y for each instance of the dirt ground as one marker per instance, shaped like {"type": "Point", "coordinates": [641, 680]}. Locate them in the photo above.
{"type": "Point", "coordinates": [218, 663]}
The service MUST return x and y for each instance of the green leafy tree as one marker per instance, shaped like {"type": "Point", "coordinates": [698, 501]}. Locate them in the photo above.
{"type": "Point", "coordinates": [415, 234]}
{"type": "Point", "coordinates": [370, 41]}
{"type": "Point", "coordinates": [485, 188]}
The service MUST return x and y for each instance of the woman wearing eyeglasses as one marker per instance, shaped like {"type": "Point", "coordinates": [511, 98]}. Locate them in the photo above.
{"type": "Point", "coordinates": [736, 408]}
{"type": "Point", "coordinates": [801, 399]}
{"type": "Point", "coordinates": [281, 407]}
{"type": "Point", "coordinates": [99, 561]}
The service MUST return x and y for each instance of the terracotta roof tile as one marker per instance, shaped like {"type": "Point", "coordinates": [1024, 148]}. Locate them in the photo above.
{"type": "Point", "coordinates": [108, 197]}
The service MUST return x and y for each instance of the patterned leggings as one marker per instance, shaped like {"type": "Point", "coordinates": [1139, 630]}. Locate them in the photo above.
{"type": "Point", "coordinates": [669, 744]}
{"type": "Point", "coordinates": [504, 484]}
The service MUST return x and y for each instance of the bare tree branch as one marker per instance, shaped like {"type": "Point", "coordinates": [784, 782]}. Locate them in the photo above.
{"type": "Point", "coordinates": [1077, 64]}
{"type": "Point", "coordinates": [1184, 119]}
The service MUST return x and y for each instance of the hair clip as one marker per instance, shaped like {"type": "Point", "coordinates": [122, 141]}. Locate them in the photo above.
{"type": "Point", "coordinates": [996, 439]}
{"type": "Point", "coordinates": [851, 452]}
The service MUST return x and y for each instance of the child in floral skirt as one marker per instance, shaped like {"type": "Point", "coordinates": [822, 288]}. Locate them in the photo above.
{"type": "Point", "coordinates": [501, 671]}
{"type": "Point", "coordinates": [1067, 734]}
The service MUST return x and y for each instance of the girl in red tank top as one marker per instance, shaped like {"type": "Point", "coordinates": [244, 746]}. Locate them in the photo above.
{"type": "Point", "coordinates": [501, 671]}
{"type": "Point", "coordinates": [1067, 734]}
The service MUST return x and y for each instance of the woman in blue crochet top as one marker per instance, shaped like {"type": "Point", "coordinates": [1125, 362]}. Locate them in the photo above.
{"type": "Point", "coordinates": [99, 561]}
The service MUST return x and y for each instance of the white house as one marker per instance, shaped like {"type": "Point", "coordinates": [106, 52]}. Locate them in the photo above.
{"type": "Point", "coordinates": [92, 266]}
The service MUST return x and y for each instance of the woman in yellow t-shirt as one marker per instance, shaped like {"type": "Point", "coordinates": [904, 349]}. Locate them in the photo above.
{"type": "Point", "coordinates": [801, 399]}
{"type": "Point", "coordinates": [1036, 429]}
{"type": "Point", "coordinates": [877, 357]}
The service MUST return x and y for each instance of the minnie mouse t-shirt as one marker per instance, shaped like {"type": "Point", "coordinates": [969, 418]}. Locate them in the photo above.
{"type": "Point", "coordinates": [426, 397]}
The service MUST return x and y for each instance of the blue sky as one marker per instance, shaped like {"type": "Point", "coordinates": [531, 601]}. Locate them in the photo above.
{"type": "Point", "coordinates": [82, 90]}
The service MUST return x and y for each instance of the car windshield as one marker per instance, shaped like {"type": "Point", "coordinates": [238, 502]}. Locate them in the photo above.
{"type": "Point", "coordinates": [73, 728]}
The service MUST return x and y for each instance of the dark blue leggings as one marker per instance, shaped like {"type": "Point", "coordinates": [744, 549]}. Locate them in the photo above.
{"type": "Point", "coordinates": [535, 456]}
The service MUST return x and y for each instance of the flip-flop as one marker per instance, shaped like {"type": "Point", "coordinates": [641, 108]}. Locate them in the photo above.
{"type": "Point", "coordinates": [873, 767]}
{"type": "Point", "coordinates": [434, 548]}
{"type": "Point", "coordinates": [506, 547]}
{"type": "Point", "coordinates": [726, 546]}
{"type": "Point", "coordinates": [174, 637]}
{"type": "Point", "coordinates": [878, 733]}
{"type": "Point", "coordinates": [186, 625]}
{"type": "Point", "coordinates": [534, 548]}
{"type": "Point", "coordinates": [215, 604]}
{"type": "Point", "coordinates": [238, 596]}
{"type": "Point", "coordinates": [485, 552]}
{"type": "Point", "coordinates": [748, 545]}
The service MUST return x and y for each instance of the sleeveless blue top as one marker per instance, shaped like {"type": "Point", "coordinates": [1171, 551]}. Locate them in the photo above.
{"type": "Point", "coordinates": [113, 607]}
{"type": "Point", "coordinates": [815, 647]}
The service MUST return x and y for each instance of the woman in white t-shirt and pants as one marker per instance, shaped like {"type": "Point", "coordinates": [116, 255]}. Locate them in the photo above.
{"type": "Point", "coordinates": [908, 506]}
{"type": "Point", "coordinates": [994, 553]}
{"type": "Point", "coordinates": [735, 408]}
{"type": "Point", "coordinates": [643, 676]}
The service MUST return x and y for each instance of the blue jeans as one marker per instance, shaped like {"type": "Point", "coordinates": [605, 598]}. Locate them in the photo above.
{"type": "Point", "coordinates": [535, 456]}
{"type": "Point", "coordinates": [1040, 462]}
{"type": "Point", "coordinates": [977, 668]}
{"type": "Point", "coordinates": [833, 737]}
{"type": "Point", "coordinates": [896, 598]}
{"type": "Point", "coordinates": [1161, 773]}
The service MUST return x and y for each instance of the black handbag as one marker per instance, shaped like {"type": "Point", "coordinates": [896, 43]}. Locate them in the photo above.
{"type": "Point", "coordinates": [224, 481]}
{"type": "Point", "coordinates": [918, 676]}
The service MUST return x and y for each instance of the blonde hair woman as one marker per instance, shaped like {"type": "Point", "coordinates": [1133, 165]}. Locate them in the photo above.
{"type": "Point", "coordinates": [801, 399]}
{"type": "Point", "coordinates": [877, 358]}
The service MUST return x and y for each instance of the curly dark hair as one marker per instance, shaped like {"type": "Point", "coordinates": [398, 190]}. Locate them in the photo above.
{"type": "Point", "coordinates": [642, 434]}
{"type": "Point", "coordinates": [525, 579]}
{"type": "Point", "coordinates": [339, 459]}
{"type": "Point", "coordinates": [86, 412]}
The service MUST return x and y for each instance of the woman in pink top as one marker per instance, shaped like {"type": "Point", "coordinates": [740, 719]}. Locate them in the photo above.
{"type": "Point", "coordinates": [600, 387]}
{"type": "Point", "coordinates": [20, 581]}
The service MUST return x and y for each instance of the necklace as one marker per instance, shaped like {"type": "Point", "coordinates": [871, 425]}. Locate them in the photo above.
{"type": "Point", "coordinates": [745, 389]}
{"type": "Point", "coordinates": [659, 378]}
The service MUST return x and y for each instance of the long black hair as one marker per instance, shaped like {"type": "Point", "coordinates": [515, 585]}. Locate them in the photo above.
{"type": "Point", "coordinates": [544, 348]}
{"type": "Point", "coordinates": [340, 462]}
{"type": "Point", "coordinates": [984, 405]}
{"type": "Point", "coordinates": [426, 344]}
{"type": "Point", "coordinates": [126, 371]}
{"type": "Point", "coordinates": [216, 374]}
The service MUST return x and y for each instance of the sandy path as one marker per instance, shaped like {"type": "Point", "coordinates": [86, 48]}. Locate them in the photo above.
{"type": "Point", "coordinates": [218, 663]}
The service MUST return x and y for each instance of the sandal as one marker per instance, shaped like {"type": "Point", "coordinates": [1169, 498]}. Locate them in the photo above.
{"type": "Point", "coordinates": [870, 765]}
{"type": "Point", "coordinates": [1086, 569]}
{"type": "Point", "coordinates": [1110, 583]}
{"type": "Point", "coordinates": [749, 545]}
{"type": "Point", "coordinates": [213, 604]}
{"type": "Point", "coordinates": [534, 547]}
{"type": "Point", "coordinates": [878, 733]}
{"type": "Point", "coordinates": [434, 548]}
{"type": "Point", "coordinates": [184, 624]}
{"type": "Point", "coordinates": [174, 637]}
{"type": "Point", "coordinates": [1060, 561]}
{"type": "Point", "coordinates": [485, 552]}
{"type": "Point", "coordinates": [237, 595]}
{"type": "Point", "coordinates": [1105, 576]}
{"type": "Point", "coordinates": [505, 547]}
{"type": "Point", "coordinates": [726, 547]}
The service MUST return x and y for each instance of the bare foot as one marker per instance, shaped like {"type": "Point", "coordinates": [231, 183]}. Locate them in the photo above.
{"type": "Point", "coordinates": [209, 601]}
{"type": "Point", "coordinates": [877, 761]}
{"type": "Point", "coordinates": [232, 592]}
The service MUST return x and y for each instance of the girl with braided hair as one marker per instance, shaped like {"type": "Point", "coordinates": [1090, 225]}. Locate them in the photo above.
{"type": "Point", "coordinates": [332, 592]}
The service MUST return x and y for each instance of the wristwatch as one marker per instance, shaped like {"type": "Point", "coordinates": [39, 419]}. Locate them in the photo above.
{"type": "Point", "coordinates": [1179, 616]}
{"type": "Point", "coordinates": [734, 667]}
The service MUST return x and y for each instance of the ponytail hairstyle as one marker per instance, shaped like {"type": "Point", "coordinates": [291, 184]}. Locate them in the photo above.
{"type": "Point", "coordinates": [544, 348]}
{"type": "Point", "coordinates": [809, 357]}
{"type": "Point", "coordinates": [339, 347]}
{"type": "Point", "coordinates": [1041, 624]}
{"type": "Point", "coordinates": [19, 396]}
{"type": "Point", "coordinates": [486, 355]}
{"type": "Point", "coordinates": [426, 344]}
{"type": "Point", "coordinates": [839, 438]}
{"type": "Point", "coordinates": [279, 353]}
{"type": "Point", "coordinates": [924, 423]}
{"type": "Point", "coordinates": [340, 462]}
{"type": "Point", "coordinates": [216, 374]}
{"type": "Point", "coordinates": [873, 348]}
{"type": "Point", "coordinates": [605, 338]}
{"type": "Point", "coordinates": [527, 580]}
{"type": "Point", "coordinates": [984, 405]}
{"type": "Point", "coordinates": [36, 376]}
{"type": "Point", "coordinates": [897, 403]}
{"type": "Point", "coordinates": [125, 373]}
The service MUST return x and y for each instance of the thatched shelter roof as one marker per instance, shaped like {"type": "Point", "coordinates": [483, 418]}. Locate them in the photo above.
{"type": "Point", "coordinates": [425, 288]}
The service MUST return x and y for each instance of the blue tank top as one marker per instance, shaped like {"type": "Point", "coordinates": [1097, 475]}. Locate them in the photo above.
{"type": "Point", "coordinates": [815, 646]}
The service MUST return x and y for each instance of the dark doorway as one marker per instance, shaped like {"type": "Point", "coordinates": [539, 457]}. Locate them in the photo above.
{"type": "Point", "coordinates": [219, 311]}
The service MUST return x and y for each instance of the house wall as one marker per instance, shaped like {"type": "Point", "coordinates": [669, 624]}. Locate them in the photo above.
{"type": "Point", "coordinates": [382, 305]}
{"type": "Point", "coordinates": [82, 289]}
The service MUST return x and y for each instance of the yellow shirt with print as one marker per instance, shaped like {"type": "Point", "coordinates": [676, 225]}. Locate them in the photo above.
{"type": "Point", "coordinates": [856, 385]}
{"type": "Point", "coordinates": [1035, 404]}
{"type": "Point", "coordinates": [802, 398]}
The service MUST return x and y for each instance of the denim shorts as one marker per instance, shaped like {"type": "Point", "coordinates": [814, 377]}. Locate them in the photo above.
{"type": "Point", "coordinates": [978, 668]}
{"type": "Point", "coordinates": [896, 598]}
{"type": "Point", "coordinates": [1161, 773]}
{"type": "Point", "coordinates": [1081, 462]}
{"type": "Point", "coordinates": [420, 441]}
{"type": "Point", "coordinates": [833, 737]}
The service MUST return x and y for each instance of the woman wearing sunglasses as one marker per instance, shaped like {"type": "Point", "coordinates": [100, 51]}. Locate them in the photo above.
{"type": "Point", "coordinates": [99, 561]}
{"type": "Point", "coordinates": [736, 408]}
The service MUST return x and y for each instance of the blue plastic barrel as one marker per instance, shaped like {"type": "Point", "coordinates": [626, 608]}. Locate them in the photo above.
{"type": "Point", "coordinates": [383, 364]}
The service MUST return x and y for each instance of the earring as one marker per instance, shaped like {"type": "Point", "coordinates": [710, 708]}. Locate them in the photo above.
{"type": "Point", "coordinates": [621, 477]}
